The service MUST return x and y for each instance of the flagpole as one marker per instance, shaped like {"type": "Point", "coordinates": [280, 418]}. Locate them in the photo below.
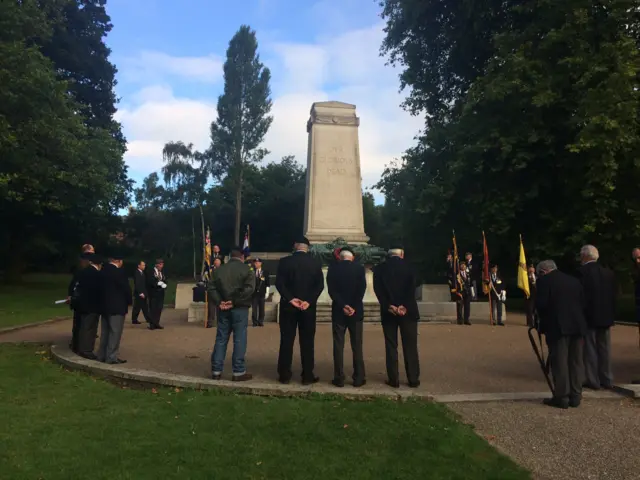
{"type": "Point", "coordinates": [485, 248]}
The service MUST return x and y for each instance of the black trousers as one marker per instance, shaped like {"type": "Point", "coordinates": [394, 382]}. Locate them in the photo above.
{"type": "Point", "coordinates": [530, 304]}
{"type": "Point", "coordinates": [75, 332]}
{"type": "Point", "coordinates": [212, 312]}
{"type": "Point", "coordinates": [87, 333]}
{"type": "Point", "coordinates": [138, 305]}
{"type": "Point", "coordinates": [340, 325]}
{"type": "Point", "coordinates": [305, 323]}
{"type": "Point", "coordinates": [409, 334]}
{"type": "Point", "coordinates": [257, 310]}
{"type": "Point", "coordinates": [566, 358]}
{"type": "Point", "coordinates": [463, 307]}
{"type": "Point", "coordinates": [156, 303]}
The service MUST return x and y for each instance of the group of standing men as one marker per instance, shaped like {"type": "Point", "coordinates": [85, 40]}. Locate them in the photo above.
{"type": "Point", "coordinates": [464, 280]}
{"type": "Point", "coordinates": [575, 315]}
{"type": "Point", "coordinates": [99, 294]}
{"type": "Point", "coordinates": [300, 281]}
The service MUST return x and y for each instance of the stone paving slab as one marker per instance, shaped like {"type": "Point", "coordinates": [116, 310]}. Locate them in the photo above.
{"type": "Point", "coordinates": [598, 440]}
{"type": "Point", "coordinates": [454, 359]}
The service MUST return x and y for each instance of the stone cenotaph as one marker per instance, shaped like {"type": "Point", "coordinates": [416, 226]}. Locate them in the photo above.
{"type": "Point", "coordinates": [333, 198]}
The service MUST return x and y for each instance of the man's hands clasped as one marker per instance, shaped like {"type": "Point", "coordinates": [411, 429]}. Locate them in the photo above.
{"type": "Point", "coordinates": [300, 304]}
{"type": "Point", "coordinates": [398, 311]}
{"type": "Point", "coordinates": [226, 305]}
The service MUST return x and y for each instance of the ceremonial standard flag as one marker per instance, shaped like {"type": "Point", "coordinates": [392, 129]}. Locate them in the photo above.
{"type": "Point", "coordinates": [523, 278]}
{"type": "Point", "coordinates": [485, 266]}
{"type": "Point", "coordinates": [245, 246]}
{"type": "Point", "coordinates": [456, 267]}
{"type": "Point", "coordinates": [207, 254]}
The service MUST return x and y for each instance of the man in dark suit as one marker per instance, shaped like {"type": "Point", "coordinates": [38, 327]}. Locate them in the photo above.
{"type": "Point", "coordinates": [216, 254]}
{"type": "Point", "coordinates": [260, 294]}
{"type": "Point", "coordinates": [300, 282]}
{"type": "Point", "coordinates": [116, 298]}
{"type": "Point", "coordinates": [530, 302]}
{"type": "Point", "coordinates": [463, 301]}
{"type": "Point", "coordinates": [560, 304]}
{"type": "Point", "coordinates": [88, 303]}
{"type": "Point", "coordinates": [600, 298]}
{"type": "Point", "coordinates": [474, 270]}
{"type": "Point", "coordinates": [87, 249]}
{"type": "Point", "coordinates": [140, 295]}
{"type": "Point", "coordinates": [347, 284]}
{"type": "Point", "coordinates": [156, 285]}
{"type": "Point", "coordinates": [496, 289]}
{"type": "Point", "coordinates": [394, 283]}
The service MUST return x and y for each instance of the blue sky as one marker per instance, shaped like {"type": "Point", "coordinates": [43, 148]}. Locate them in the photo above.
{"type": "Point", "coordinates": [169, 55]}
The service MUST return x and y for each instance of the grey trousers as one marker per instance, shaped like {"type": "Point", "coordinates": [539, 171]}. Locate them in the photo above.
{"type": "Point", "coordinates": [110, 335]}
{"type": "Point", "coordinates": [597, 357]}
{"type": "Point", "coordinates": [340, 327]}
{"type": "Point", "coordinates": [87, 333]}
{"type": "Point", "coordinates": [565, 355]}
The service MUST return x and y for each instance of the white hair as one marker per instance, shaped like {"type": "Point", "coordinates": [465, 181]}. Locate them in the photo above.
{"type": "Point", "coordinates": [589, 252]}
{"type": "Point", "coordinates": [346, 254]}
{"type": "Point", "coordinates": [396, 252]}
{"type": "Point", "coordinates": [303, 247]}
{"type": "Point", "coordinates": [546, 266]}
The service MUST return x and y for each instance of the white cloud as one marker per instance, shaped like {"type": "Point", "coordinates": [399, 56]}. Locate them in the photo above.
{"type": "Point", "coordinates": [149, 66]}
{"type": "Point", "coordinates": [159, 117]}
{"type": "Point", "coordinates": [345, 67]}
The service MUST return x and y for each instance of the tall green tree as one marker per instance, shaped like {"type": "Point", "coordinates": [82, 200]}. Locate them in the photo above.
{"type": "Point", "coordinates": [243, 116]}
{"type": "Point", "coordinates": [541, 140]}
{"type": "Point", "coordinates": [58, 175]}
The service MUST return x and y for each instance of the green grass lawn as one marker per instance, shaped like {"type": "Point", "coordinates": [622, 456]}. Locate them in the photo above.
{"type": "Point", "coordinates": [56, 424]}
{"type": "Point", "coordinates": [32, 300]}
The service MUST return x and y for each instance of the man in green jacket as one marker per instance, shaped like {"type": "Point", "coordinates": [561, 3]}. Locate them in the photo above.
{"type": "Point", "coordinates": [231, 290]}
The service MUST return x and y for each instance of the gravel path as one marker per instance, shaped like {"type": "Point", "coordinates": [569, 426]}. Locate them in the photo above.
{"type": "Point", "coordinates": [599, 440]}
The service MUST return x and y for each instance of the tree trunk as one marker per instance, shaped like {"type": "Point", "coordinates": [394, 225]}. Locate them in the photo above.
{"type": "Point", "coordinates": [193, 236]}
{"type": "Point", "coordinates": [238, 207]}
{"type": "Point", "coordinates": [203, 239]}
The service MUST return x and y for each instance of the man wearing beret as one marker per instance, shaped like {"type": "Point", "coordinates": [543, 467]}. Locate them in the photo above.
{"type": "Point", "coordinates": [260, 294]}
{"type": "Point", "coordinates": [116, 297]}
{"type": "Point", "coordinates": [88, 304]}
{"type": "Point", "coordinates": [72, 293]}
{"type": "Point", "coordinates": [394, 283]}
{"type": "Point", "coordinates": [300, 282]}
{"type": "Point", "coordinates": [347, 285]}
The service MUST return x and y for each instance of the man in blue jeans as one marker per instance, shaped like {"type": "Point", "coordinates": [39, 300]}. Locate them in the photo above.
{"type": "Point", "coordinates": [231, 290]}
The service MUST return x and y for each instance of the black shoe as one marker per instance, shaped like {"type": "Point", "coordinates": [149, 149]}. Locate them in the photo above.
{"type": "Point", "coordinates": [151, 327]}
{"type": "Point", "coordinates": [310, 381]}
{"type": "Point", "coordinates": [121, 361]}
{"type": "Point", "coordinates": [467, 323]}
{"type": "Point", "coordinates": [500, 324]}
{"type": "Point", "coordinates": [338, 382]}
{"type": "Point", "coordinates": [590, 386]}
{"type": "Point", "coordinates": [414, 384]}
{"type": "Point", "coordinates": [360, 383]}
{"type": "Point", "coordinates": [284, 380]}
{"type": "Point", "coordinates": [159, 327]}
{"type": "Point", "coordinates": [209, 326]}
{"type": "Point", "coordinates": [554, 402]}
{"type": "Point", "coordinates": [393, 384]}
{"type": "Point", "coordinates": [574, 403]}
{"type": "Point", "coordinates": [135, 322]}
{"type": "Point", "coordinates": [89, 356]}
{"type": "Point", "coordinates": [216, 376]}
{"type": "Point", "coordinates": [242, 378]}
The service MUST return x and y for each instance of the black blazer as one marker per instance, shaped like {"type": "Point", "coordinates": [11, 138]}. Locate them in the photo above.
{"type": "Point", "coordinates": [116, 292]}
{"type": "Point", "coordinates": [347, 285]}
{"type": "Point", "coordinates": [89, 287]}
{"type": "Point", "coordinates": [498, 285]}
{"type": "Point", "coordinates": [560, 304]}
{"type": "Point", "coordinates": [139, 283]}
{"type": "Point", "coordinates": [261, 285]}
{"type": "Point", "coordinates": [299, 276]}
{"type": "Point", "coordinates": [394, 283]}
{"type": "Point", "coordinates": [153, 288]}
{"type": "Point", "coordinates": [599, 286]}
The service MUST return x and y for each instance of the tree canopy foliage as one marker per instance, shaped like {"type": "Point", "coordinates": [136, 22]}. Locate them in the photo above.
{"type": "Point", "coordinates": [532, 125]}
{"type": "Point", "coordinates": [62, 173]}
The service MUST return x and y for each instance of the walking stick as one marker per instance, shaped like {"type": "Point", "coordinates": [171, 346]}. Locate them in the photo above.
{"type": "Point", "coordinates": [539, 352]}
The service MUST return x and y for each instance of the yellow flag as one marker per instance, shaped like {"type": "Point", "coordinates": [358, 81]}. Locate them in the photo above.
{"type": "Point", "coordinates": [523, 278]}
